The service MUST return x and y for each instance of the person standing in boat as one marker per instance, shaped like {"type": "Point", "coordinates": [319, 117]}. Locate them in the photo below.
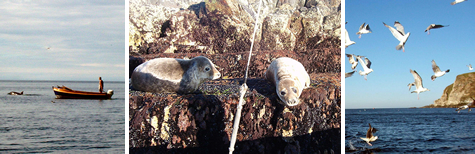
{"type": "Point", "coordinates": [101, 85]}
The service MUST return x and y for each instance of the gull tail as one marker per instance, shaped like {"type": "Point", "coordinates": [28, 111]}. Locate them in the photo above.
{"type": "Point", "coordinates": [399, 47]}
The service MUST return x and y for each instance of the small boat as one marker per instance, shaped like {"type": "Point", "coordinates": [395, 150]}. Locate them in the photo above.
{"type": "Point", "coordinates": [64, 92]}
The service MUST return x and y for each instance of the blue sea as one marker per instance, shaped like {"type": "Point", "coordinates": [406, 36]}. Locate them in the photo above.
{"type": "Point", "coordinates": [32, 123]}
{"type": "Point", "coordinates": [408, 130]}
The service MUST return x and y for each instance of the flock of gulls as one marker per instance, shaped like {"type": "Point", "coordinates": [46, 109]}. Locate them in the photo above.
{"type": "Point", "coordinates": [398, 32]}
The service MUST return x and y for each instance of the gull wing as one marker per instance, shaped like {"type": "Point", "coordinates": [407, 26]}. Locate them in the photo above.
{"type": "Point", "coordinates": [368, 63]}
{"type": "Point", "coordinates": [435, 68]}
{"type": "Point", "coordinates": [362, 26]}
{"type": "Point", "coordinates": [351, 59]}
{"type": "Point", "coordinates": [398, 35]}
{"type": "Point", "coordinates": [399, 27]}
{"type": "Point", "coordinates": [371, 130]}
{"type": "Point", "coordinates": [349, 74]}
{"type": "Point", "coordinates": [417, 79]}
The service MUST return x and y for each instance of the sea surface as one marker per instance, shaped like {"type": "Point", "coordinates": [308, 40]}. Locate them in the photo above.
{"type": "Point", "coordinates": [410, 130]}
{"type": "Point", "coordinates": [32, 123]}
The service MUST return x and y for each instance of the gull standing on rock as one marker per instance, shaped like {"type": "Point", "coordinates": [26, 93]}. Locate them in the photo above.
{"type": "Point", "coordinates": [433, 26]}
{"type": "Point", "coordinates": [417, 83]}
{"type": "Point", "coordinates": [437, 72]}
{"type": "Point", "coordinates": [351, 59]}
{"type": "Point", "coordinates": [399, 34]}
{"type": "Point", "coordinates": [366, 64]}
{"type": "Point", "coordinates": [369, 135]}
{"type": "Point", "coordinates": [364, 29]}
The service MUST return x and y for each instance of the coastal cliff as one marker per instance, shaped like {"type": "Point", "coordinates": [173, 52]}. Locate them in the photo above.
{"type": "Point", "coordinates": [458, 93]}
{"type": "Point", "coordinates": [221, 30]}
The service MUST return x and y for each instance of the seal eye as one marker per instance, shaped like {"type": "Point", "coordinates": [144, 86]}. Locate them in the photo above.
{"type": "Point", "coordinates": [282, 93]}
{"type": "Point", "coordinates": [294, 90]}
{"type": "Point", "coordinates": [207, 69]}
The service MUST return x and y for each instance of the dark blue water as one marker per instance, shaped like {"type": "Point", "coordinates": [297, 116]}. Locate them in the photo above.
{"type": "Point", "coordinates": [31, 123]}
{"type": "Point", "coordinates": [440, 130]}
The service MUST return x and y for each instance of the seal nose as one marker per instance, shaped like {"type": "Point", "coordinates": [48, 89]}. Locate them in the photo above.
{"type": "Point", "coordinates": [293, 102]}
{"type": "Point", "coordinates": [217, 75]}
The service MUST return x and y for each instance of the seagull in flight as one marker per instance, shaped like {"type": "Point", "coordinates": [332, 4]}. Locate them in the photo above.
{"type": "Point", "coordinates": [457, 1]}
{"type": "Point", "coordinates": [399, 34]}
{"type": "Point", "coordinates": [437, 72]}
{"type": "Point", "coordinates": [351, 59]}
{"type": "Point", "coordinates": [465, 107]}
{"type": "Point", "coordinates": [366, 64]}
{"type": "Point", "coordinates": [348, 42]}
{"type": "Point", "coordinates": [369, 135]}
{"type": "Point", "coordinates": [470, 67]}
{"type": "Point", "coordinates": [433, 26]}
{"type": "Point", "coordinates": [417, 83]}
{"type": "Point", "coordinates": [364, 29]}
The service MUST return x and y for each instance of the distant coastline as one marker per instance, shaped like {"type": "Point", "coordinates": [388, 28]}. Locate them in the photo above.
{"type": "Point", "coordinates": [445, 106]}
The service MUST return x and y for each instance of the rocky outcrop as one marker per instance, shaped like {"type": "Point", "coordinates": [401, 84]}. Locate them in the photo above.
{"type": "Point", "coordinates": [221, 26]}
{"type": "Point", "coordinates": [202, 123]}
{"type": "Point", "coordinates": [460, 92]}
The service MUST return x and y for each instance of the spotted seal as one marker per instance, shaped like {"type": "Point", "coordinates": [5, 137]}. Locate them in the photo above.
{"type": "Point", "coordinates": [289, 77]}
{"type": "Point", "coordinates": [173, 75]}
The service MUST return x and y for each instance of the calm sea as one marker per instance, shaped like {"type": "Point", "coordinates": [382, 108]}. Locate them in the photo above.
{"type": "Point", "coordinates": [32, 123]}
{"type": "Point", "coordinates": [440, 130]}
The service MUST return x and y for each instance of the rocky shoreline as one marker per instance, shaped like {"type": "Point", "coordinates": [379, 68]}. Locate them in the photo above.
{"type": "Point", "coordinates": [307, 31]}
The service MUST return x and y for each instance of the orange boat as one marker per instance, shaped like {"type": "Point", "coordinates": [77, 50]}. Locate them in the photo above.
{"type": "Point", "coordinates": [64, 92]}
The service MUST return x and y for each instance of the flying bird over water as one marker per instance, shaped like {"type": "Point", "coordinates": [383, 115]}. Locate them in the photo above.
{"type": "Point", "coordinates": [457, 1]}
{"type": "Point", "coordinates": [364, 29]}
{"type": "Point", "coordinates": [399, 34]}
{"type": "Point", "coordinates": [348, 42]}
{"type": "Point", "coordinates": [369, 135]}
{"type": "Point", "coordinates": [417, 83]}
{"type": "Point", "coordinates": [351, 59]}
{"type": "Point", "coordinates": [349, 74]}
{"type": "Point", "coordinates": [433, 26]}
{"type": "Point", "coordinates": [470, 67]}
{"type": "Point", "coordinates": [437, 72]}
{"type": "Point", "coordinates": [366, 64]}
{"type": "Point", "coordinates": [463, 107]}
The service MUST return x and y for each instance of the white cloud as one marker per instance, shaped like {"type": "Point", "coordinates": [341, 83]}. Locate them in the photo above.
{"type": "Point", "coordinates": [81, 34]}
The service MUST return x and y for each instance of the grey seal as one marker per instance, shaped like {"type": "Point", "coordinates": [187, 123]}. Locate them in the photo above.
{"type": "Point", "coordinates": [173, 75]}
{"type": "Point", "coordinates": [289, 77]}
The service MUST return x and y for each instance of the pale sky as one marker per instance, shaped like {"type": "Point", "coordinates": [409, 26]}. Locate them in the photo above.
{"type": "Point", "coordinates": [85, 40]}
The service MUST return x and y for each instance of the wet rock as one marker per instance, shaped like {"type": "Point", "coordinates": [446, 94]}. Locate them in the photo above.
{"type": "Point", "coordinates": [266, 125]}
